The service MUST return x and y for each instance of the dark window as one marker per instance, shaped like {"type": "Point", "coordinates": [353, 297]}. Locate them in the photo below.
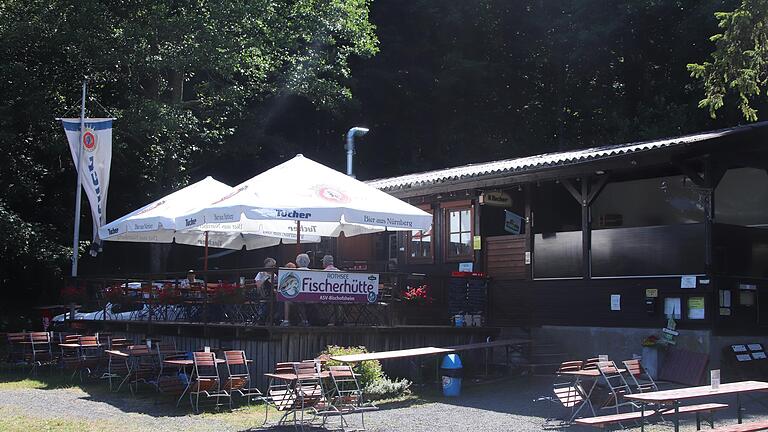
{"type": "Point", "coordinates": [421, 244]}
{"type": "Point", "coordinates": [458, 232]}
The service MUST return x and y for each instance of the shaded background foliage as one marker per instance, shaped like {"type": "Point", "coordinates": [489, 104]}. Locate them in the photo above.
{"type": "Point", "coordinates": [231, 88]}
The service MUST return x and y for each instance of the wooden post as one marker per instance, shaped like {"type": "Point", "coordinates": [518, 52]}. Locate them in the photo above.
{"type": "Point", "coordinates": [529, 228]}
{"type": "Point", "coordinates": [586, 230]}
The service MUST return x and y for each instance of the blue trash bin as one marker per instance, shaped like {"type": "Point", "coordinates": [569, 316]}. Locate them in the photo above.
{"type": "Point", "coordinates": [451, 372]}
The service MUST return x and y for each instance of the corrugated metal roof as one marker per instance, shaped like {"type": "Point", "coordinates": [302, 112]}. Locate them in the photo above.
{"type": "Point", "coordinates": [548, 160]}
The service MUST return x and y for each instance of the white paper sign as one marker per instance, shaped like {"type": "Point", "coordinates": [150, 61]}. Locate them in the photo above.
{"type": "Point", "coordinates": [615, 302]}
{"type": "Point", "coordinates": [738, 348]}
{"type": "Point", "coordinates": [758, 355]}
{"type": "Point", "coordinates": [672, 307]}
{"type": "Point", "coordinates": [743, 357]}
{"type": "Point", "coordinates": [714, 378]}
{"type": "Point", "coordinates": [688, 282]}
{"type": "Point", "coordinates": [755, 347]}
{"type": "Point", "coordinates": [725, 298]}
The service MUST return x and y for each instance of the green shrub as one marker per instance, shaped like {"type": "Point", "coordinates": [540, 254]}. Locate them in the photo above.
{"type": "Point", "coordinates": [385, 388]}
{"type": "Point", "coordinates": [369, 371]}
{"type": "Point", "coordinates": [374, 383]}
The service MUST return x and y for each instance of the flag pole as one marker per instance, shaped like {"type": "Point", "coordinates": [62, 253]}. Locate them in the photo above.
{"type": "Point", "coordinates": [78, 194]}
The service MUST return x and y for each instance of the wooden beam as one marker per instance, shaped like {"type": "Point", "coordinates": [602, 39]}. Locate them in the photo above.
{"type": "Point", "coordinates": [690, 172]}
{"type": "Point", "coordinates": [568, 184]}
{"type": "Point", "coordinates": [597, 188]}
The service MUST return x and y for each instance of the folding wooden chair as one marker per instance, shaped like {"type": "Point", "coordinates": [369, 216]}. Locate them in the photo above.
{"type": "Point", "coordinates": [91, 354]}
{"type": "Point", "coordinates": [617, 386]}
{"type": "Point", "coordinates": [117, 367]}
{"type": "Point", "coordinates": [16, 347]}
{"type": "Point", "coordinates": [239, 380]}
{"type": "Point", "coordinates": [346, 397]}
{"type": "Point", "coordinates": [279, 392]}
{"type": "Point", "coordinates": [167, 378]}
{"type": "Point", "coordinates": [40, 352]}
{"type": "Point", "coordinates": [142, 367]}
{"type": "Point", "coordinates": [308, 390]}
{"type": "Point", "coordinates": [70, 359]}
{"type": "Point", "coordinates": [590, 363]}
{"type": "Point", "coordinates": [207, 382]}
{"type": "Point", "coordinates": [570, 394]}
{"type": "Point", "coordinates": [640, 377]}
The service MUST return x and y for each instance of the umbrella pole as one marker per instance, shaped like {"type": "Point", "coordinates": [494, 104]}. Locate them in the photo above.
{"type": "Point", "coordinates": [298, 237]}
{"type": "Point", "coordinates": [205, 258]}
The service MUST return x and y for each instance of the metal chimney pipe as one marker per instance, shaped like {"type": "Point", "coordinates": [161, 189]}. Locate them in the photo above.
{"type": "Point", "coordinates": [360, 131]}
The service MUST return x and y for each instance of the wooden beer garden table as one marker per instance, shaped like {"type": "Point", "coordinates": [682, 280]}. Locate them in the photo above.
{"type": "Point", "coordinates": [675, 396]}
{"type": "Point", "coordinates": [578, 376]}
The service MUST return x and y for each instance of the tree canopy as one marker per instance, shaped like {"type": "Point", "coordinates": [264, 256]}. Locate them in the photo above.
{"type": "Point", "coordinates": [229, 88]}
{"type": "Point", "coordinates": [179, 75]}
{"type": "Point", "coordinates": [739, 63]}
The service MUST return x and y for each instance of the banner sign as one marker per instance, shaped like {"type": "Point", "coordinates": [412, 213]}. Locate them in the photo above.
{"type": "Point", "coordinates": [496, 198]}
{"type": "Point", "coordinates": [317, 286]}
{"type": "Point", "coordinates": [95, 164]}
{"type": "Point", "coordinates": [512, 223]}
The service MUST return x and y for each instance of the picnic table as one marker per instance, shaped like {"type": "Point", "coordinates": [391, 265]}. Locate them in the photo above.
{"type": "Point", "coordinates": [675, 396]}
{"type": "Point", "coordinates": [430, 351]}
{"type": "Point", "coordinates": [387, 355]}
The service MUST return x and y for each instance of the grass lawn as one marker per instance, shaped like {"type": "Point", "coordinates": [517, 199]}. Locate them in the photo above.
{"type": "Point", "coordinates": [14, 422]}
{"type": "Point", "coordinates": [147, 401]}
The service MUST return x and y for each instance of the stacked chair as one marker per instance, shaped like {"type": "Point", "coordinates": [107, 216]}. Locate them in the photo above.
{"type": "Point", "coordinates": [346, 398]}
{"type": "Point", "coordinates": [239, 378]}
{"type": "Point", "coordinates": [168, 381]}
{"type": "Point", "coordinates": [207, 381]}
{"type": "Point", "coordinates": [40, 352]}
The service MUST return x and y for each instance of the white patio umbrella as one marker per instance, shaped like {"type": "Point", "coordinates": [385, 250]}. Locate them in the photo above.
{"type": "Point", "coordinates": [321, 200]}
{"type": "Point", "coordinates": [156, 223]}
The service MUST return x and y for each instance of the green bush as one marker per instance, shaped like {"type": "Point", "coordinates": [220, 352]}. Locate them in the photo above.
{"type": "Point", "coordinates": [386, 388]}
{"type": "Point", "coordinates": [369, 371]}
{"type": "Point", "coordinates": [374, 383]}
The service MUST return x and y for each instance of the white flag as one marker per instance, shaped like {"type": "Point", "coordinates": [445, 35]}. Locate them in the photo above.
{"type": "Point", "coordinates": [94, 166]}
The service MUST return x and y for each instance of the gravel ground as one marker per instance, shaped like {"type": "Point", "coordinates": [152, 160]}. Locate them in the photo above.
{"type": "Point", "coordinates": [506, 405]}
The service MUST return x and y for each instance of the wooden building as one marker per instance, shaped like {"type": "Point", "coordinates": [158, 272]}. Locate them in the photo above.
{"type": "Point", "coordinates": [612, 239]}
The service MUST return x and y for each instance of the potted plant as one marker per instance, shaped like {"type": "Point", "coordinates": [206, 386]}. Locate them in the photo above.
{"type": "Point", "coordinates": [417, 295]}
{"type": "Point", "coordinates": [229, 293]}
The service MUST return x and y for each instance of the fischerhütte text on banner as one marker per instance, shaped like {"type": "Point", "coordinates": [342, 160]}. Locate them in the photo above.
{"type": "Point", "coordinates": [317, 286]}
{"type": "Point", "coordinates": [94, 166]}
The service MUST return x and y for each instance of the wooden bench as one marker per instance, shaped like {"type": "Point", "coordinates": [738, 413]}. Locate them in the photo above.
{"type": "Point", "coordinates": [697, 409]}
{"type": "Point", "coordinates": [744, 427]}
{"type": "Point", "coordinates": [602, 421]}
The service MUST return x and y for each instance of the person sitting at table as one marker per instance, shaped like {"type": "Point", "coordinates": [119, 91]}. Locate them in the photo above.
{"type": "Point", "coordinates": [265, 286]}
{"type": "Point", "coordinates": [337, 312]}
{"type": "Point", "coordinates": [328, 263]}
{"type": "Point", "coordinates": [190, 281]}
{"type": "Point", "coordinates": [265, 279]}
{"type": "Point", "coordinates": [302, 263]}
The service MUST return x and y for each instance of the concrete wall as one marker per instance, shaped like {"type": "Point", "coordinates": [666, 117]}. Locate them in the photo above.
{"type": "Point", "coordinates": [619, 343]}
